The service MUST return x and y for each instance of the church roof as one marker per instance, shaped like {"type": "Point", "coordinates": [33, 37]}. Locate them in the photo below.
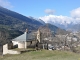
{"type": "Point", "coordinates": [25, 37]}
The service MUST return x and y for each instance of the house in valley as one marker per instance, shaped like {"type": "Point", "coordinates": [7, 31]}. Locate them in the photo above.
{"type": "Point", "coordinates": [26, 40]}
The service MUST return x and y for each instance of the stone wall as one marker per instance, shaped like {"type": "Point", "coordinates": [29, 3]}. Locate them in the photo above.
{"type": "Point", "coordinates": [31, 44]}
{"type": "Point", "coordinates": [7, 51]}
{"type": "Point", "coordinates": [21, 44]}
{"type": "Point", "coordinates": [13, 52]}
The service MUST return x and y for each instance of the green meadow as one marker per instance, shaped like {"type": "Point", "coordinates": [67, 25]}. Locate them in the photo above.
{"type": "Point", "coordinates": [43, 55]}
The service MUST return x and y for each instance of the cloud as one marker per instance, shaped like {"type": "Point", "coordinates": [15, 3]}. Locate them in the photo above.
{"type": "Point", "coordinates": [75, 13]}
{"type": "Point", "coordinates": [59, 19]}
{"type": "Point", "coordinates": [49, 11]}
{"type": "Point", "coordinates": [5, 3]}
{"type": "Point", "coordinates": [75, 17]}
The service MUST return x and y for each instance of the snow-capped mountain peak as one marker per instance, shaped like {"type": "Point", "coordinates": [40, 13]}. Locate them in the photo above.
{"type": "Point", "coordinates": [64, 22]}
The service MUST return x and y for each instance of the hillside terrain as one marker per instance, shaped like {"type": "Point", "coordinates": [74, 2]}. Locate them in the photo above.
{"type": "Point", "coordinates": [53, 29]}
{"type": "Point", "coordinates": [12, 20]}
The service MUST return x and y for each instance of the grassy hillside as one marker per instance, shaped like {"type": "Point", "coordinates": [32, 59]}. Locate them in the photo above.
{"type": "Point", "coordinates": [43, 55]}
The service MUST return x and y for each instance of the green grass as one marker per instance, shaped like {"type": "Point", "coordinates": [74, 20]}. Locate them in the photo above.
{"type": "Point", "coordinates": [16, 49]}
{"type": "Point", "coordinates": [43, 55]}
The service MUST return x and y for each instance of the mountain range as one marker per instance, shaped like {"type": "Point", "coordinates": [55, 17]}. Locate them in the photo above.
{"type": "Point", "coordinates": [15, 23]}
{"type": "Point", "coordinates": [67, 25]}
{"type": "Point", "coordinates": [16, 20]}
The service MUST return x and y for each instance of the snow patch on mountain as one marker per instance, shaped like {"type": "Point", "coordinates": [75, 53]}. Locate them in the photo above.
{"type": "Point", "coordinates": [41, 21]}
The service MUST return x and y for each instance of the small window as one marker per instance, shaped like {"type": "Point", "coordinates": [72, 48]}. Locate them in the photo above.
{"type": "Point", "coordinates": [31, 42]}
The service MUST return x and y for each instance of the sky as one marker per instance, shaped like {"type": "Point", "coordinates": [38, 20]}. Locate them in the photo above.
{"type": "Point", "coordinates": [47, 10]}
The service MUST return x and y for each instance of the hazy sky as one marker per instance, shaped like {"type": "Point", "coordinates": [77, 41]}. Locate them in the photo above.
{"type": "Point", "coordinates": [45, 9]}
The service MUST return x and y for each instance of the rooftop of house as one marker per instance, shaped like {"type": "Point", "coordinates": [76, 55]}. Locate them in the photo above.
{"type": "Point", "coordinates": [25, 37]}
